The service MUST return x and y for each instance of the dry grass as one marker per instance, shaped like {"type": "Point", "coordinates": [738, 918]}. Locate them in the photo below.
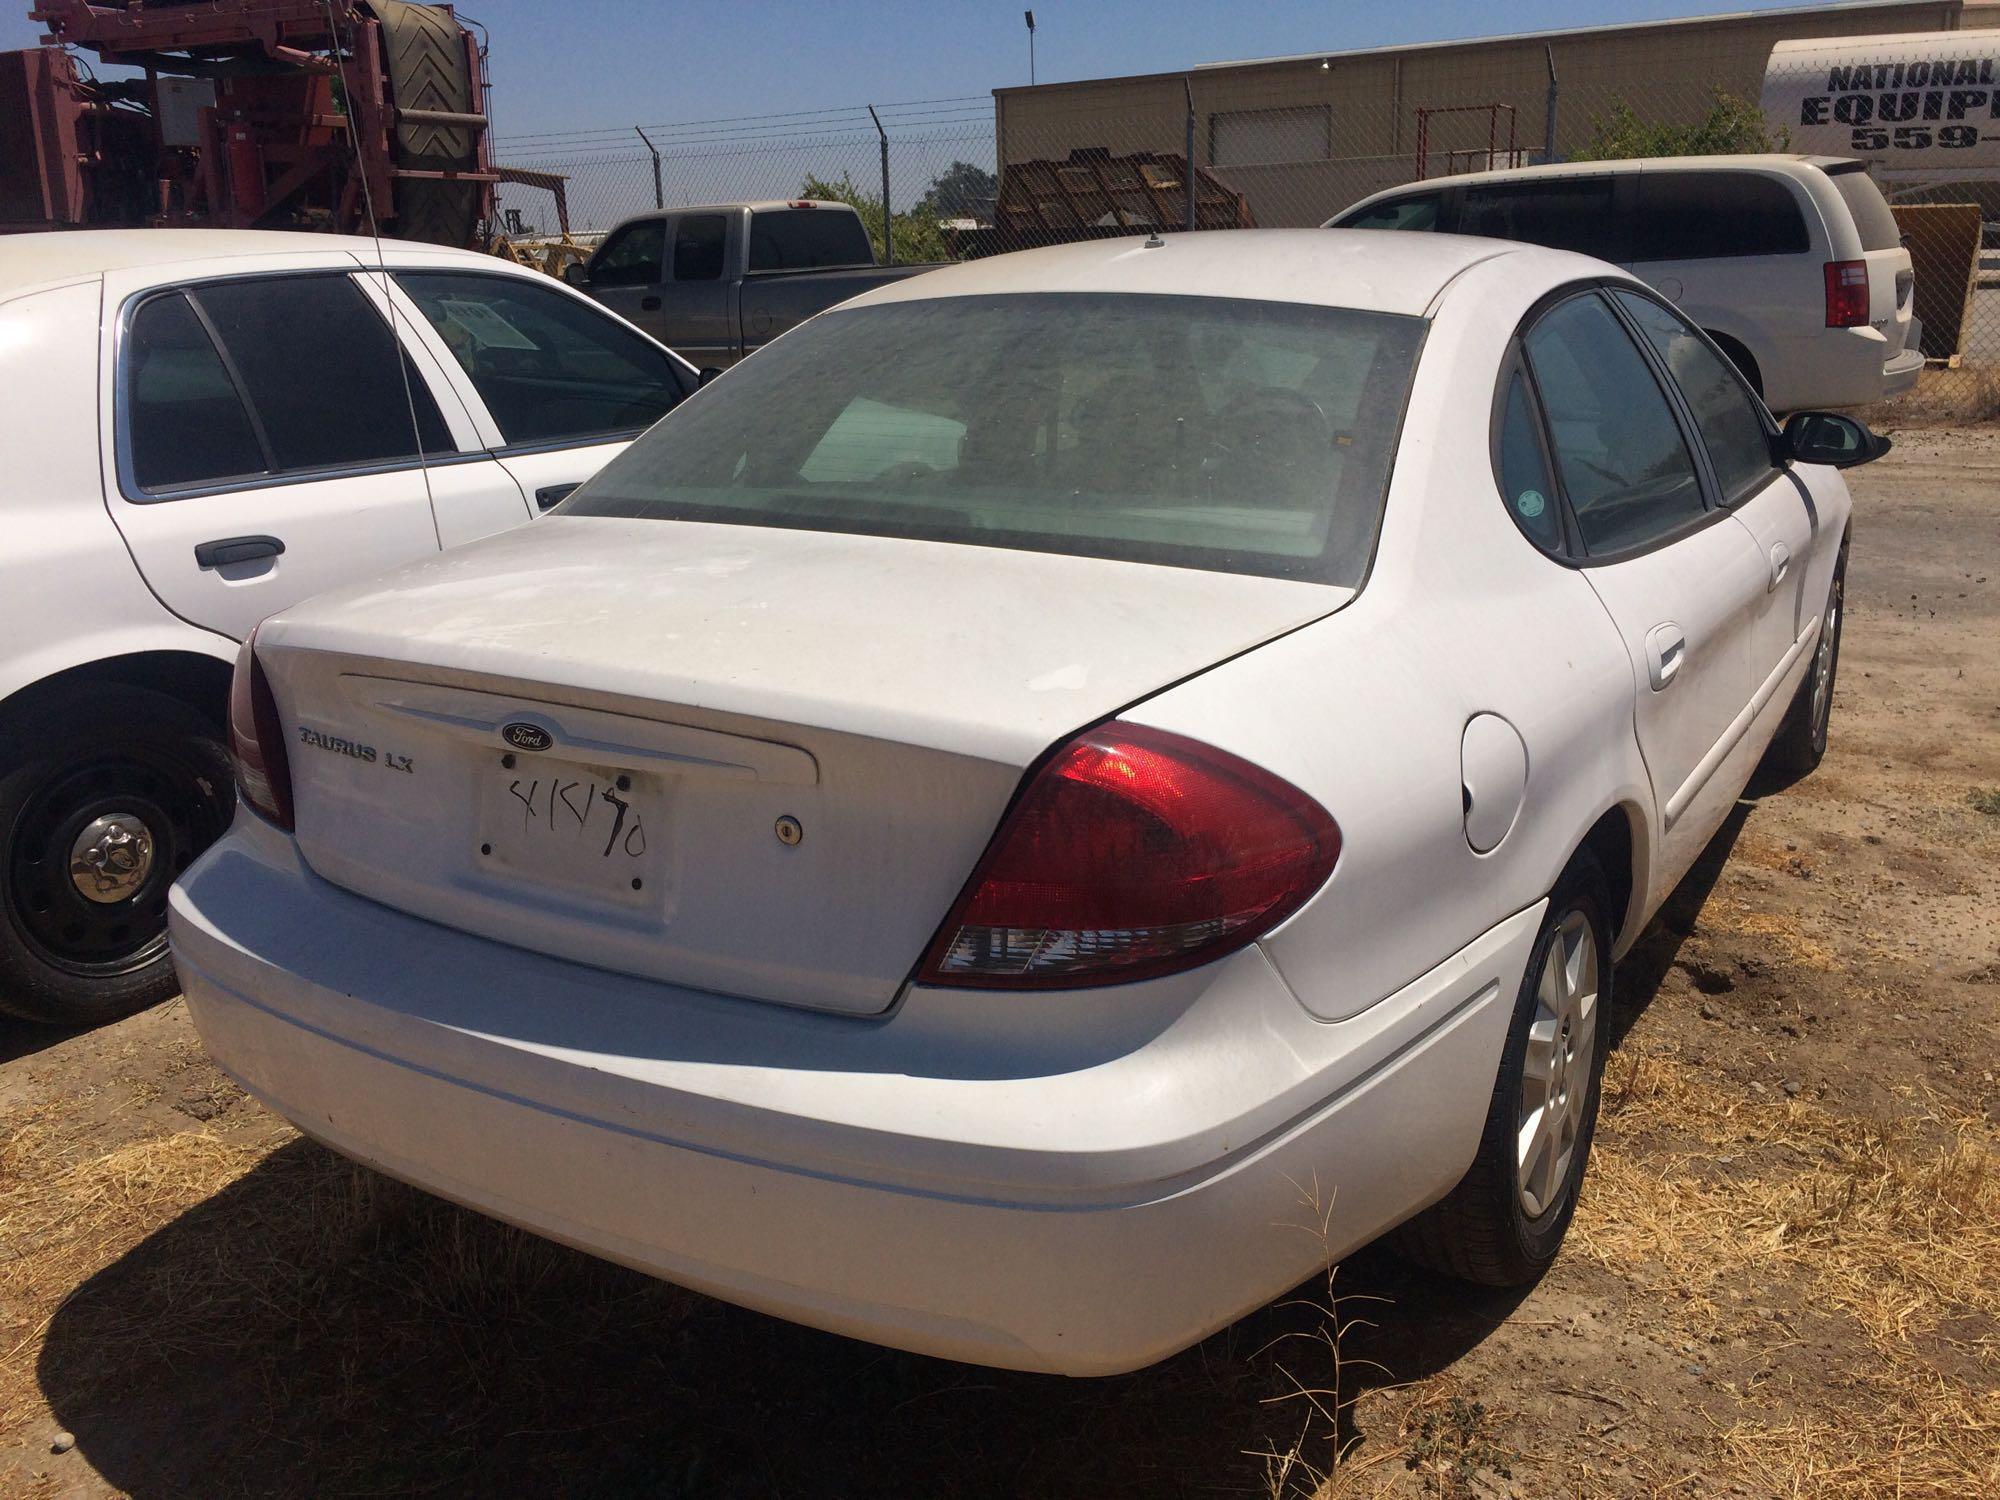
{"type": "Point", "coordinates": [1885, 1238]}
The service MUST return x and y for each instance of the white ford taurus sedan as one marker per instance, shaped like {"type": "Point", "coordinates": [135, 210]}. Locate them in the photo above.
{"type": "Point", "coordinates": [1059, 796]}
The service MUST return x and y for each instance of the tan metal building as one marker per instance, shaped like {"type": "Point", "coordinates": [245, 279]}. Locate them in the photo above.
{"type": "Point", "coordinates": [1302, 137]}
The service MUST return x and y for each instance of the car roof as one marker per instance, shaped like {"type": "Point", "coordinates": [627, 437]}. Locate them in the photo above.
{"type": "Point", "coordinates": [1343, 268]}
{"type": "Point", "coordinates": [70, 255]}
{"type": "Point", "coordinates": [1790, 163]}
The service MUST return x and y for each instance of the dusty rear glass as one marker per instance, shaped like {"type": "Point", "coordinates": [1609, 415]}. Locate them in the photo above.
{"type": "Point", "coordinates": [1236, 436]}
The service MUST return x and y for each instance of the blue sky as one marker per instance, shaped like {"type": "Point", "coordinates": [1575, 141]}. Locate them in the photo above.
{"type": "Point", "coordinates": [592, 63]}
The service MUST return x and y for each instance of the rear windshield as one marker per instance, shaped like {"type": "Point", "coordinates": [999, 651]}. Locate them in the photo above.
{"type": "Point", "coordinates": [1236, 436]}
{"type": "Point", "coordinates": [1872, 217]}
{"type": "Point", "coordinates": [798, 239]}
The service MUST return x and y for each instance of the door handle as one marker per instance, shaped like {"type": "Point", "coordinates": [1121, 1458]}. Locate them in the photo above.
{"type": "Point", "coordinates": [1666, 649]}
{"type": "Point", "coordinates": [235, 549]}
{"type": "Point", "coordinates": [1781, 562]}
{"type": "Point", "coordinates": [552, 494]}
{"type": "Point", "coordinates": [649, 304]}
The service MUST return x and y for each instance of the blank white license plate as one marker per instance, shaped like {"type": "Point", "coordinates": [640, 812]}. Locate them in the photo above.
{"type": "Point", "coordinates": [585, 828]}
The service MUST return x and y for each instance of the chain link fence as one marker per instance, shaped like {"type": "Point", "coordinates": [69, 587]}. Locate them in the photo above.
{"type": "Point", "coordinates": [1295, 143]}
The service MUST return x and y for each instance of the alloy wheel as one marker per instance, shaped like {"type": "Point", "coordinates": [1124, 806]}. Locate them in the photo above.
{"type": "Point", "coordinates": [1556, 1068]}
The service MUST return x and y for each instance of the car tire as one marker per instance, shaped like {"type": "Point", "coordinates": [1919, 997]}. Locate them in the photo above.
{"type": "Point", "coordinates": [1504, 1222]}
{"type": "Point", "coordinates": [1800, 743]}
{"type": "Point", "coordinates": [107, 793]}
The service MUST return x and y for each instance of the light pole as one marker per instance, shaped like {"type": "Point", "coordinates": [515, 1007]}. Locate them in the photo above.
{"type": "Point", "coordinates": [1031, 44]}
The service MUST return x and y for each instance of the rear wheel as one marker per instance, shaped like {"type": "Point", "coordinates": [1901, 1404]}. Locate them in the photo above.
{"type": "Point", "coordinates": [106, 795]}
{"type": "Point", "coordinates": [1504, 1222]}
{"type": "Point", "coordinates": [1800, 743]}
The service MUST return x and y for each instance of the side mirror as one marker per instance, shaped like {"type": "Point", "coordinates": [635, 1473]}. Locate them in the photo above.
{"type": "Point", "coordinates": [705, 375]}
{"type": "Point", "coordinates": [1824, 437]}
{"type": "Point", "coordinates": [577, 273]}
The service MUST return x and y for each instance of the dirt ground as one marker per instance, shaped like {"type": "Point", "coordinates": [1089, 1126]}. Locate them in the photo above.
{"type": "Point", "coordinates": [1784, 1278]}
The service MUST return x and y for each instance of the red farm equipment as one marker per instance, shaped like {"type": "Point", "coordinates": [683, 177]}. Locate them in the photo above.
{"type": "Point", "coordinates": [276, 114]}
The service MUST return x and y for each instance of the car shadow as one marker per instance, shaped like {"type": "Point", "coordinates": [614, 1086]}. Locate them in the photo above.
{"type": "Point", "coordinates": [314, 1328]}
{"type": "Point", "coordinates": [19, 1039]}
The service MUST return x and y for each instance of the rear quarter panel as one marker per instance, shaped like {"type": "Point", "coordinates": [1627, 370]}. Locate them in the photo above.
{"type": "Point", "coordinates": [1366, 710]}
{"type": "Point", "coordinates": [69, 592]}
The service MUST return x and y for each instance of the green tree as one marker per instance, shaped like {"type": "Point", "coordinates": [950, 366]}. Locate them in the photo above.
{"type": "Point", "coordinates": [918, 235]}
{"type": "Point", "coordinates": [961, 191]}
{"type": "Point", "coordinates": [1731, 126]}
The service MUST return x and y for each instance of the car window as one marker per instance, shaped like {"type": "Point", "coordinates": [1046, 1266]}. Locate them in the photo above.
{"type": "Point", "coordinates": [185, 421]}
{"type": "Point", "coordinates": [1874, 220]}
{"type": "Point", "coordinates": [319, 369]}
{"type": "Point", "coordinates": [1624, 465]}
{"type": "Point", "coordinates": [1731, 427]}
{"type": "Point", "coordinates": [698, 244]}
{"type": "Point", "coordinates": [796, 239]}
{"type": "Point", "coordinates": [549, 366]}
{"type": "Point", "coordinates": [1524, 471]}
{"type": "Point", "coordinates": [1709, 215]}
{"type": "Point", "coordinates": [1564, 213]}
{"type": "Point", "coordinates": [631, 257]}
{"type": "Point", "coordinates": [1234, 435]}
{"type": "Point", "coordinates": [1418, 211]}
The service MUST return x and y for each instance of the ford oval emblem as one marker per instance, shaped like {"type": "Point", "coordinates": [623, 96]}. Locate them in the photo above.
{"type": "Point", "coordinates": [526, 736]}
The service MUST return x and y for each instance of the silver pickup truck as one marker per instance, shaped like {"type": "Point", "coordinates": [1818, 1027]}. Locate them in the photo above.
{"type": "Point", "coordinates": [717, 282]}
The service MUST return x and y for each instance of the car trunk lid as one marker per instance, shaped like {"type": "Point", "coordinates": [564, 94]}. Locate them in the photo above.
{"type": "Point", "coordinates": [750, 760]}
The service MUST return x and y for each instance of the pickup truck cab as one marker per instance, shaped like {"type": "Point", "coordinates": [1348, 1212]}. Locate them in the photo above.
{"type": "Point", "coordinates": [716, 282]}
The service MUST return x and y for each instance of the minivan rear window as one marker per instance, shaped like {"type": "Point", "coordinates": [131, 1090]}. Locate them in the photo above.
{"type": "Point", "coordinates": [1227, 434]}
{"type": "Point", "coordinates": [1873, 218]}
{"type": "Point", "coordinates": [1714, 215]}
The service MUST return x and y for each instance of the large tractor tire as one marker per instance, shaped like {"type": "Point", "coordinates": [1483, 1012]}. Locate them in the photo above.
{"type": "Point", "coordinates": [427, 70]}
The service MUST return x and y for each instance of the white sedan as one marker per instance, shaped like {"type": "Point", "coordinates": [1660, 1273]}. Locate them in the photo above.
{"type": "Point", "coordinates": [198, 428]}
{"type": "Point", "coordinates": [1067, 792]}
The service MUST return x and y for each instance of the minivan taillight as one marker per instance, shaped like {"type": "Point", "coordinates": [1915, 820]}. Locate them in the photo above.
{"type": "Point", "coordinates": [1132, 853]}
{"type": "Point", "coordinates": [1847, 294]}
{"type": "Point", "coordinates": [257, 741]}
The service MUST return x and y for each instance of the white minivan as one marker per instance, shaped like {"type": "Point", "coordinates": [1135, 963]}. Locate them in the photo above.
{"type": "Point", "coordinates": [201, 427]}
{"type": "Point", "coordinates": [1792, 264]}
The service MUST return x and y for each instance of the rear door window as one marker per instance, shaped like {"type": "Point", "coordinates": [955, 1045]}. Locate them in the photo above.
{"type": "Point", "coordinates": [315, 374]}
{"type": "Point", "coordinates": [186, 422]}
{"type": "Point", "coordinates": [1418, 211]}
{"type": "Point", "coordinates": [1731, 425]}
{"type": "Point", "coordinates": [549, 366]}
{"type": "Point", "coordinates": [1874, 220]}
{"type": "Point", "coordinates": [699, 240]}
{"type": "Point", "coordinates": [798, 239]}
{"type": "Point", "coordinates": [1570, 213]}
{"type": "Point", "coordinates": [1625, 467]}
{"type": "Point", "coordinates": [1712, 215]}
{"type": "Point", "coordinates": [321, 371]}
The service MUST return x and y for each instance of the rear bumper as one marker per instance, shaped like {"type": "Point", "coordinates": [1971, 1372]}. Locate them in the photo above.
{"type": "Point", "coordinates": [1901, 372]}
{"type": "Point", "coordinates": [1080, 1184]}
{"type": "Point", "coordinates": [1836, 368]}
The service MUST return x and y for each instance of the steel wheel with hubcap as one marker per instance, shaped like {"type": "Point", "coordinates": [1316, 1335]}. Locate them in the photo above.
{"type": "Point", "coordinates": [1504, 1222]}
{"type": "Point", "coordinates": [102, 804]}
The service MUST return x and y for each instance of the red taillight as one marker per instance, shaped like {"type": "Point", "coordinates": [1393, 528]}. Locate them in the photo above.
{"type": "Point", "coordinates": [1132, 853]}
{"type": "Point", "coordinates": [257, 740]}
{"type": "Point", "coordinates": [1847, 294]}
